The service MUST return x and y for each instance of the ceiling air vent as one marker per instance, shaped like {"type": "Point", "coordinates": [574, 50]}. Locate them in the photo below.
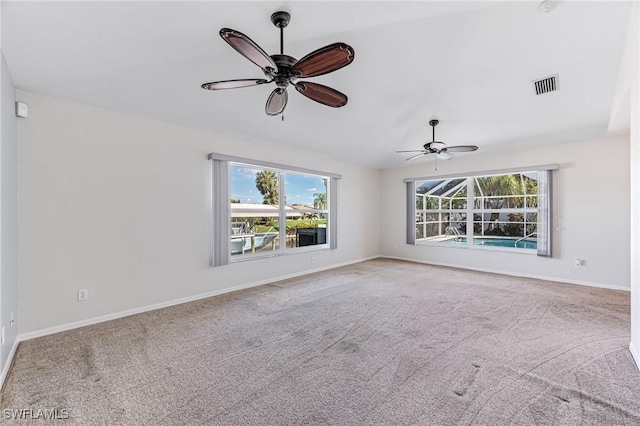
{"type": "Point", "coordinates": [545, 85]}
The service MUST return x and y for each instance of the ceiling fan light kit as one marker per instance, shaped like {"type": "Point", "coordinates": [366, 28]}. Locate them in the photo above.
{"type": "Point", "coordinates": [284, 70]}
{"type": "Point", "coordinates": [444, 155]}
{"type": "Point", "coordinates": [441, 149]}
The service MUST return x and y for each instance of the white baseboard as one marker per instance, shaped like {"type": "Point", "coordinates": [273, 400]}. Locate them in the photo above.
{"type": "Point", "coordinates": [513, 274]}
{"type": "Point", "coordinates": [121, 314]}
{"type": "Point", "coordinates": [635, 354]}
{"type": "Point", "coordinates": [8, 362]}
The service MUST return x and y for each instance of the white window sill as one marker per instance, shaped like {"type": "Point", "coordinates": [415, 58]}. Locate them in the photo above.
{"type": "Point", "coordinates": [478, 247]}
{"type": "Point", "coordinates": [277, 253]}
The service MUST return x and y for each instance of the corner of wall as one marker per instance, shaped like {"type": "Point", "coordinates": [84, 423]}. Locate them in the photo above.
{"type": "Point", "coordinates": [635, 355]}
{"type": "Point", "coordinates": [634, 157]}
{"type": "Point", "coordinates": [8, 217]}
{"type": "Point", "coordinates": [7, 365]}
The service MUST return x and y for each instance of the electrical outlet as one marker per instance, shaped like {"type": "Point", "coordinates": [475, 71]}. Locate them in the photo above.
{"type": "Point", "coordinates": [580, 263]}
{"type": "Point", "coordinates": [11, 320]}
{"type": "Point", "coordinates": [83, 295]}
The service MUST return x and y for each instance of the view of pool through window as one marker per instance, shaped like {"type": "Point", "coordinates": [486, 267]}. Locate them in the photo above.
{"type": "Point", "coordinates": [497, 242]}
{"type": "Point", "coordinates": [498, 210]}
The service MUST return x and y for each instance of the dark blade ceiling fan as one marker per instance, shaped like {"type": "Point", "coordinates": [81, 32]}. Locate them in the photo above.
{"type": "Point", "coordinates": [285, 70]}
{"type": "Point", "coordinates": [441, 149]}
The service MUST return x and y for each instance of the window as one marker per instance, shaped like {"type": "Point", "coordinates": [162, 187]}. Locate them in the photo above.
{"type": "Point", "coordinates": [264, 209]}
{"type": "Point", "coordinates": [509, 211]}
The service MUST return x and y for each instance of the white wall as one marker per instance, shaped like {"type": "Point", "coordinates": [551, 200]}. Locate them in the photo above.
{"type": "Point", "coordinates": [8, 215]}
{"type": "Point", "coordinates": [592, 201]}
{"type": "Point", "coordinates": [120, 205]}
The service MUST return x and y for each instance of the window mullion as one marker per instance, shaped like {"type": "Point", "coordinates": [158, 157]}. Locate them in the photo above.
{"type": "Point", "coordinates": [470, 202]}
{"type": "Point", "coordinates": [282, 216]}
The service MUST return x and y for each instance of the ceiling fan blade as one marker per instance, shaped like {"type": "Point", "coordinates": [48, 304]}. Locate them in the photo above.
{"type": "Point", "coordinates": [461, 148]}
{"type": "Point", "coordinates": [322, 94]}
{"type": "Point", "coordinates": [417, 156]}
{"type": "Point", "coordinates": [413, 150]}
{"type": "Point", "coordinates": [248, 48]}
{"type": "Point", "coordinates": [233, 84]}
{"type": "Point", "coordinates": [276, 102]}
{"type": "Point", "coordinates": [325, 60]}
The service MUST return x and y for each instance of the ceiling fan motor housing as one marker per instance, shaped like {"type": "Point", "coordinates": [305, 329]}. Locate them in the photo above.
{"type": "Point", "coordinates": [434, 146]}
{"type": "Point", "coordinates": [285, 73]}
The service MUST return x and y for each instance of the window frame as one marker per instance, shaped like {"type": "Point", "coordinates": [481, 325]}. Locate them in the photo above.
{"type": "Point", "coordinates": [221, 208]}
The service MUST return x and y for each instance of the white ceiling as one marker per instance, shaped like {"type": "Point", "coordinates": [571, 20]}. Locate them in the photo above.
{"type": "Point", "coordinates": [469, 64]}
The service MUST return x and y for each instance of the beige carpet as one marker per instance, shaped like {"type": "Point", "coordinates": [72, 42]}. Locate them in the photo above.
{"type": "Point", "coordinates": [380, 342]}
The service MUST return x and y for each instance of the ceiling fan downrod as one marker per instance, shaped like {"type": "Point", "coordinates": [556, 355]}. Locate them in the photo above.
{"type": "Point", "coordinates": [433, 124]}
{"type": "Point", "coordinates": [281, 19]}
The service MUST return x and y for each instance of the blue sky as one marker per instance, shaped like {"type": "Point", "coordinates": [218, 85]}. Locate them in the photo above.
{"type": "Point", "coordinates": [299, 189]}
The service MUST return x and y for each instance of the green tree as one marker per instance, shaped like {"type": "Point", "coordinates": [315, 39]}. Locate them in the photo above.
{"type": "Point", "coordinates": [320, 200]}
{"type": "Point", "coordinates": [497, 188]}
{"type": "Point", "coordinates": [499, 185]}
{"type": "Point", "coordinates": [516, 226]}
{"type": "Point", "coordinates": [531, 188]}
{"type": "Point", "coordinates": [235, 201]}
{"type": "Point", "coordinates": [267, 184]}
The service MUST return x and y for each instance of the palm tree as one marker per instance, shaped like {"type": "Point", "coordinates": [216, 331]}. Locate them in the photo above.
{"type": "Point", "coordinates": [320, 200]}
{"type": "Point", "coordinates": [267, 184]}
